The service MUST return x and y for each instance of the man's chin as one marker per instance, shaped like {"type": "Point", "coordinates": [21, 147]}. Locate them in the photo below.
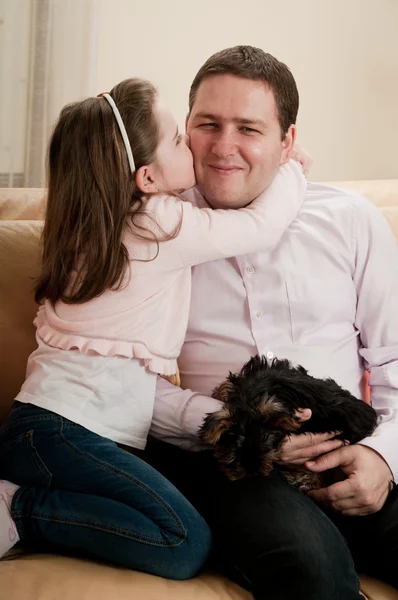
{"type": "Point", "coordinates": [225, 203]}
{"type": "Point", "coordinates": [215, 199]}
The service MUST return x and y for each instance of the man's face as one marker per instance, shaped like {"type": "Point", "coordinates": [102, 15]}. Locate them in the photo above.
{"type": "Point", "coordinates": [236, 139]}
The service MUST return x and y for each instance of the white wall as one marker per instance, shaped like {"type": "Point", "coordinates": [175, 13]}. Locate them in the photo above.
{"type": "Point", "coordinates": [48, 50]}
{"type": "Point", "coordinates": [343, 53]}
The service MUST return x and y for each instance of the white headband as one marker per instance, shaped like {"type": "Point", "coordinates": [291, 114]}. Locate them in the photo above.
{"type": "Point", "coordinates": [122, 130]}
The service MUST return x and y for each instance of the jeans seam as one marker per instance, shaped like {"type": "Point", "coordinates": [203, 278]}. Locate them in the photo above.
{"type": "Point", "coordinates": [7, 427]}
{"type": "Point", "coordinates": [40, 465]}
{"type": "Point", "coordinates": [15, 514]}
{"type": "Point", "coordinates": [18, 516]}
{"type": "Point", "coordinates": [127, 477]}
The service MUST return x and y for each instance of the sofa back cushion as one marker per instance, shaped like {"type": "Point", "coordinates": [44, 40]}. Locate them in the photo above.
{"type": "Point", "coordinates": [19, 265]}
{"type": "Point", "coordinates": [22, 204]}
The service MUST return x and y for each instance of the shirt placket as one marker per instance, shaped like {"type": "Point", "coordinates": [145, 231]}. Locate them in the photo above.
{"type": "Point", "coordinates": [260, 320]}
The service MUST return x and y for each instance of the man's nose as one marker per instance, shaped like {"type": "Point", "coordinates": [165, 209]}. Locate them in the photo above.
{"type": "Point", "coordinates": [224, 144]}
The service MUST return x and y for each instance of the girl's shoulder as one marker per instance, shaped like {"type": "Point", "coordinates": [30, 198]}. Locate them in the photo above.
{"type": "Point", "coordinates": [161, 214]}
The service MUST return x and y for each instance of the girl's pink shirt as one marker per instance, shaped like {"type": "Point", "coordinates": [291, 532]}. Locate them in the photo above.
{"type": "Point", "coordinates": [147, 317]}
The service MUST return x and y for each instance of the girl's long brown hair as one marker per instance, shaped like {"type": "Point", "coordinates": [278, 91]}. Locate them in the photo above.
{"type": "Point", "coordinates": [92, 192]}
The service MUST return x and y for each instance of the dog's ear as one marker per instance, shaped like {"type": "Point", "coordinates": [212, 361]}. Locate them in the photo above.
{"type": "Point", "coordinates": [277, 414]}
{"type": "Point", "coordinates": [223, 391]}
{"type": "Point", "coordinates": [287, 423]}
{"type": "Point", "coordinates": [214, 425]}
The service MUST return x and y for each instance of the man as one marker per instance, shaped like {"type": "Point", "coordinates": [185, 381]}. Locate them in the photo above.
{"type": "Point", "coordinates": [325, 297]}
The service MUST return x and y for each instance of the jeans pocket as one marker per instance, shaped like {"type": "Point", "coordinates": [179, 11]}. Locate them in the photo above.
{"type": "Point", "coordinates": [21, 463]}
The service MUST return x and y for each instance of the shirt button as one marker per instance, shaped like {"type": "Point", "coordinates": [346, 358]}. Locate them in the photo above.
{"type": "Point", "coordinates": [250, 270]}
{"type": "Point", "coordinates": [270, 355]}
{"type": "Point", "coordinates": [260, 314]}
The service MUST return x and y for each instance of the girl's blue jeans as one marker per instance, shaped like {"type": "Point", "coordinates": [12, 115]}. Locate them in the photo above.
{"type": "Point", "coordinates": [81, 493]}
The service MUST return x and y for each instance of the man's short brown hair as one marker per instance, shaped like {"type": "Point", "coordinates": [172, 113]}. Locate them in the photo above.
{"type": "Point", "coordinates": [253, 63]}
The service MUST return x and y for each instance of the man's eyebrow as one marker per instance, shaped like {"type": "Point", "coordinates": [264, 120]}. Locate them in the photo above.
{"type": "Point", "coordinates": [240, 120]}
{"type": "Point", "coordinates": [206, 116]}
{"type": "Point", "coordinates": [251, 122]}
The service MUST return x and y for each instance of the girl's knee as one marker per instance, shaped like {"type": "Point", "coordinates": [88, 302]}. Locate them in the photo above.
{"type": "Point", "coordinates": [178, 559]}
{"type": "Point", "coordinates": [191, 555]}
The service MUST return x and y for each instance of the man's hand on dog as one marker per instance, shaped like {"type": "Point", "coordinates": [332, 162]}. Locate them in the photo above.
{"type": "Point", "coordinates": [299, 448]}
{"type": "Point", "coordinates": [368, 483]}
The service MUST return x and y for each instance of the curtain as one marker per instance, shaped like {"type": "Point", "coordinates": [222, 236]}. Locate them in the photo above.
{"type": "Point", "coordinates": [60, 61]}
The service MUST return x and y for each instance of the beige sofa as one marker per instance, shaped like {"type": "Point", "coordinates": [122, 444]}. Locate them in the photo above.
{"type": "Point", "coordinates": [46, 577]}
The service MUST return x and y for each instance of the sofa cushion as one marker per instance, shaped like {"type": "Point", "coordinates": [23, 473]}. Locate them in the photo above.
{"type": "Point", "coordinates": [376, 590]}
{"type": "Point", "coordinates": [383, 194]}
{"type": "Point", "coordinates": [46, 577]}
{"type": "Point", "coordinates": [19, 264]}
{"type": "Point", "coordinates": [22, 203]}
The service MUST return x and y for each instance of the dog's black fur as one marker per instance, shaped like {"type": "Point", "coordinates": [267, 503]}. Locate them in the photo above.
{"type": "Point", "coordinates": [260, 405]}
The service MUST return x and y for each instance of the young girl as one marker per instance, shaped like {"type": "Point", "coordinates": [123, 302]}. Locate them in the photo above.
{"type": "Point", "coordinates": [118, 244]}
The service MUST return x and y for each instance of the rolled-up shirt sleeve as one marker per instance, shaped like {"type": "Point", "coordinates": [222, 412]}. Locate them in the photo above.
{"type": "Point", "coordinates": [376, 282]}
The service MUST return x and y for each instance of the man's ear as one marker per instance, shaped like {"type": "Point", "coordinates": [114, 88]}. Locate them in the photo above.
{"type": "Point", "coordinates": [288, 144]}
{"type": "Point", "coordinates": [145, 180]}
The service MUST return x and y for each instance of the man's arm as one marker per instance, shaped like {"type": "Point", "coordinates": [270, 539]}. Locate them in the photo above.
{"type": "Point", "coordinates": [178, 414]}
{"type": "Point", "coordinates": [371, 465]}
{"type": "Point", "coordinates": [376, 282]}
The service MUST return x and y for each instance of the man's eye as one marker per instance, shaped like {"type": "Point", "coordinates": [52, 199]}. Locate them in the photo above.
{"type": "Point", "coordinates": [248, 130]}
{"type": "Point", "coordinates": [208, 125]}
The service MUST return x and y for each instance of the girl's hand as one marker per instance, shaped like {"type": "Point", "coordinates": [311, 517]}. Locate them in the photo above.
{"type": "Point", "coordinates": [303, 158]}
{"type": "Point", "coordinates": [173, 379]}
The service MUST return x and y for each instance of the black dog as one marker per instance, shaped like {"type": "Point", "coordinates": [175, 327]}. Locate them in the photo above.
{"type": "Point", "coordinates": [260, 411]}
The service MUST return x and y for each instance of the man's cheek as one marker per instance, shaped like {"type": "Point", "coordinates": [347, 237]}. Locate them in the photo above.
{"type": "Point", "coordinates": [198, 143]}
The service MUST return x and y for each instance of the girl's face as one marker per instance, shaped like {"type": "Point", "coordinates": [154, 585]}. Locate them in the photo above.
{"type": "Point", "coordinates": [173, 166]}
